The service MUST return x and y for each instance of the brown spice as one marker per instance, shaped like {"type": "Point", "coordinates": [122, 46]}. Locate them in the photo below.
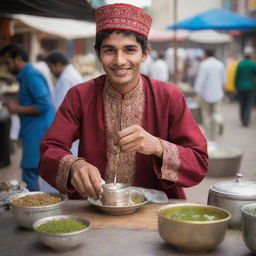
{"type": "Point", "coordinates": [37, 200]}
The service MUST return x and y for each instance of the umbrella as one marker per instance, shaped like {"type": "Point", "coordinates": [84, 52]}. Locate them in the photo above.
{"type": "Point", "coordinates": [215, 19]}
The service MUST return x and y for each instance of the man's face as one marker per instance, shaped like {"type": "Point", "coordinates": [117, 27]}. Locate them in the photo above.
{"type": "Point", "coordinates": [11, 64]}
{"type": "Point", "coordinates": [121, 56]}
{"type": "Point", "coordinates": [56, 68]}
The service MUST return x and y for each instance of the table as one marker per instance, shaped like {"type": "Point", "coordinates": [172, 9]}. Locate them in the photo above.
{"type": "Point", "coordinates": [135, 234]}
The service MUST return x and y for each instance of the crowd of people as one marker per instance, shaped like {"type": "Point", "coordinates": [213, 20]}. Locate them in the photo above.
{"type": "Point", "coordinates": [71, 129]}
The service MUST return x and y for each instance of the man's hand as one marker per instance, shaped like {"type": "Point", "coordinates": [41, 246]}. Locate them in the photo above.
{"type": "Point", "coordinates": [136, 139]}
{"type": "Point", "coordinates": [86, 179]}
{"type": "Point", "coordinates": [12, 107]}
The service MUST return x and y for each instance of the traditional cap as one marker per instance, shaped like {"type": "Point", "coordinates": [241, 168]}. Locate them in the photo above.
{"type": "Point", "coordinates": [123, 16]}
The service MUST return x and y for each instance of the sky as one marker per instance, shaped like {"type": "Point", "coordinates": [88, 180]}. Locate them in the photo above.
{"type": "Point", "coordinates": [139, 3]}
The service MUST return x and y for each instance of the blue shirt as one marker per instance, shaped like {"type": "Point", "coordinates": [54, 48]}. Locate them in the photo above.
{"type": "Point", "coordinates": [33, 90]}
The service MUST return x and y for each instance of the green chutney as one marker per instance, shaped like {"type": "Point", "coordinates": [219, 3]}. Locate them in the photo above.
{"type": "Point", "coordinates": [61, 226]}
{"type": "Point", "coordinates": [193, 213]}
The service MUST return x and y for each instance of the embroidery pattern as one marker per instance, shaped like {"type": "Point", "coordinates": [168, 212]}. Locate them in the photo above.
{"type": "Point", "coordinates": [119, 114]}
{"type": "Point", "coordinates": [63, 172]}
{"type": "Point", "coordinates": [123, 16]}
{"type": "Point", "coordinates": [171, 161]}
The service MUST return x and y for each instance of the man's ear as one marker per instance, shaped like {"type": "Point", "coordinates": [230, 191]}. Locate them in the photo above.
{"type": "Point", "coordinates": [145, 54]}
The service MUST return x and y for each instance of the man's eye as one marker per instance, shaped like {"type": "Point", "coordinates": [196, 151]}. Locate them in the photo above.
{"type": "Point", "coordinates": [108, 51]}
{"type": "Point", "coordinates": [130, 50]}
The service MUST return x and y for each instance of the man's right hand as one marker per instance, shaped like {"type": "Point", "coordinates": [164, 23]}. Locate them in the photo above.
{"type": "Point", "coordinates": [86, 179]}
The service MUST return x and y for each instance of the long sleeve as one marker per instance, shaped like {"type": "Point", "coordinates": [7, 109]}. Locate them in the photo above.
{"type": "Point", "coordinates": [56, 158]}
{"type": "Point", "coordinates": [185, 159]}
{"type": "Point", "coordinates": [39, 92]}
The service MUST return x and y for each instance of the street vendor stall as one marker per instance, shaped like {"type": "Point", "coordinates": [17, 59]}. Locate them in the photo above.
{"type": "Point", "coordinates": [133, 234]}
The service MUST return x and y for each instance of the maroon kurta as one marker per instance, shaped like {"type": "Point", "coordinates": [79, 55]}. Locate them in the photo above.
{"type": "Point", "coordinates": [165, 115]}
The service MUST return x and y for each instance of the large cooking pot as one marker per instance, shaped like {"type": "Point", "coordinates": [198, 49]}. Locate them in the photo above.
{"type": "Point", "coordinates": [224, 161]}
{"type": "Point", "coordinates": [232, 196]}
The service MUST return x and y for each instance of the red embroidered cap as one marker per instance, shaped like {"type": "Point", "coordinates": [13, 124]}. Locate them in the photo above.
{"type": "Point", "coordinates": [123, 16]}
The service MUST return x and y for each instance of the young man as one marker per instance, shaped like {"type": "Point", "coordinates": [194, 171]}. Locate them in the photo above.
{"type": "Point", "coordinates": [35, 109]}
{"type": "Point", "coordinates": [148, 120]}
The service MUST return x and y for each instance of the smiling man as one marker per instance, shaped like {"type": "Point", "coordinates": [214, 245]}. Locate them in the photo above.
{"type": "Point", "coordinates": [148, 120]}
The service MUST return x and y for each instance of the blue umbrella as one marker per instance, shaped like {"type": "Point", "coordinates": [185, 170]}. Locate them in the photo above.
{"type": "Point", "coordinates": [215, 19]}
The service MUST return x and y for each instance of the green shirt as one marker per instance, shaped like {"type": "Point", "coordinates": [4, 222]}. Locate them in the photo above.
{"type": "Point", "coordinates": [245, 74]}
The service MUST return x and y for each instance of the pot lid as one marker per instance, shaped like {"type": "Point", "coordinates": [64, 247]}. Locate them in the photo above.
{"type": "Point", "coordinates": [237, 187]}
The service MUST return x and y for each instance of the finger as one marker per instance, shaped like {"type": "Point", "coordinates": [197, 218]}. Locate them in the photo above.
{"type": "Point", "coordinates": [132, 138]}
{"type": "Point", "coordinates": [130, 148]}
{"type": "Point", "coordinates": [96, 184]}
{"type": "Point", "coordinates": [76, 181]}
{"type": "Point", "coordinates": [127, 131]}
{"type": "Point", "coordinates": [89, 186]}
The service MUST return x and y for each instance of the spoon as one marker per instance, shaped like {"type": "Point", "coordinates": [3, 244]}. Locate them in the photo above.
{"type": "Point", "coordinates": [117, 158]}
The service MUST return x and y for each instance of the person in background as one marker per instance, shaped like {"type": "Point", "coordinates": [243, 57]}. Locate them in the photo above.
{"type": "Point", "coordinates": [144, 68]}
{"type": "Point", "coordinates": [35, 109]}
{"type": "Point", "coordinates": [230, 88]}
{"type": "Point", "coordinates": [159, 68]}
{"type": "Point", "coordinates": [66, 74]}
{"type": "Point", "coordinates": [245, 85]}
{"type": "Point", "coordinates": [66, 77]}
{"type": "Point", "coordinates": [42, 67]}
{"type": "Point", "coordinates": [143, 120]}
{"type": "Point", "coordinates": [209, 85]}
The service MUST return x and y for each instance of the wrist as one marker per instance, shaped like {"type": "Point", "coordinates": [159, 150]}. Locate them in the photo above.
{"type": "Point", "coordinates": [159, 148]}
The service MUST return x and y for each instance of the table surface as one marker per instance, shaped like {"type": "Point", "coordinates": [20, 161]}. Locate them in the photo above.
{"type": "Point", "coordinates": [109, 235]}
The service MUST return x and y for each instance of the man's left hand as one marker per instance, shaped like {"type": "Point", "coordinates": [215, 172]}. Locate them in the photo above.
{"type": "Point", "coordinates": [136, 139]}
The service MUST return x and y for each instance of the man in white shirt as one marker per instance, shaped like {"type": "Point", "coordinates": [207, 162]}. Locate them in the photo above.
{"type": "Point", "coordinates": [42, 67]}
{"type": "Point", "coordinates": [209, 86]}
{"type": "Point", "coordinates": [66, 74]}
{"type": "Point", "coordinates": [159, 68]}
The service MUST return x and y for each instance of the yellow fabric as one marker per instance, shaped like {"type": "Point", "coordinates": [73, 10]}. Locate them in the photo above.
{"type": "Point", "coordinates": [231, 72]}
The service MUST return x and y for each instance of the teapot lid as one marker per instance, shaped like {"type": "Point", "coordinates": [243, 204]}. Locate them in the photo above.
{"type": "Point", "coordinates": [237, 187]}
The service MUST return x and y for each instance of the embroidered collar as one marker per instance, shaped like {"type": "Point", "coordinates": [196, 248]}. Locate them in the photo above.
{"type": "Point", "coordinates": [112, 92]}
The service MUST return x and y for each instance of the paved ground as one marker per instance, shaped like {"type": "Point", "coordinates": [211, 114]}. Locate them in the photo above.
{"type": "Point", "coordinates": [234, 135]}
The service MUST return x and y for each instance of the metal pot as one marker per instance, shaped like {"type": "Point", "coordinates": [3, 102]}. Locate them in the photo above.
{"type": "Point", "coordinates": [224, 161]}
{"type": "Point", "coordinates": [232, 196]}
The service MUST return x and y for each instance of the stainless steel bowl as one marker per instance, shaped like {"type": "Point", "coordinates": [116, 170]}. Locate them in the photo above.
{"type": "Point", "coordinates": [25, 216]}
{"type": "Point", "coordinates": [224, 161]}
{"type": "Point", "coordinates": [249, 226]}
{"type": "Point", "coordinates": [65, 241]}
{"type": "Point", "coordinates": [193, 236]}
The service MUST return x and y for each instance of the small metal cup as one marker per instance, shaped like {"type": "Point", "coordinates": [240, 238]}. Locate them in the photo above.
{"type": "Point", "coordinates": [115, 194]}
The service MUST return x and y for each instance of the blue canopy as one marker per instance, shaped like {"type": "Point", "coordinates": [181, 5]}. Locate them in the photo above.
{"type": "Point", "coordinates": [215, 19]}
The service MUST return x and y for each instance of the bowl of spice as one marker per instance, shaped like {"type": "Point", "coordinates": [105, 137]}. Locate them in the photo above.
{"type": "Point", "coordinates": [32, 206]}
{"type": "Point", "coordinates": [62, 232]}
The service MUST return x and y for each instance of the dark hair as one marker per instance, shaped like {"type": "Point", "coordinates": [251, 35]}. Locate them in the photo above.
{"type": "Point", "coordinates": [101, 35]}
{"type": "Point", "coordinates": [209, 52]}
{"type": "Point", "coordinates": [55, 57]}
{"type": "Point", "coordinates": [161, 55]}
{"type": "Point", "coordinates": [40, 57]}
{"type": "Point", "coordinates": [14, 50]}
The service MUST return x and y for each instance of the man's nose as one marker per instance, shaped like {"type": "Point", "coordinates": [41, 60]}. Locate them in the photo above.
{"type": "Point", "coordinates": [120, 58]}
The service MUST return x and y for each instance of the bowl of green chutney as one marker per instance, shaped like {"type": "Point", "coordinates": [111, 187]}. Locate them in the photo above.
{"type": "Point", "coordinates": [191, 227]}
{"type": "Point", "coordinates": [62, 232]}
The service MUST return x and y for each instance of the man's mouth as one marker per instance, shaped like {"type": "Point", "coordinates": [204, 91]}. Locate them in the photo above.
{"type": "Point", "coordinates": [120, 71]}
